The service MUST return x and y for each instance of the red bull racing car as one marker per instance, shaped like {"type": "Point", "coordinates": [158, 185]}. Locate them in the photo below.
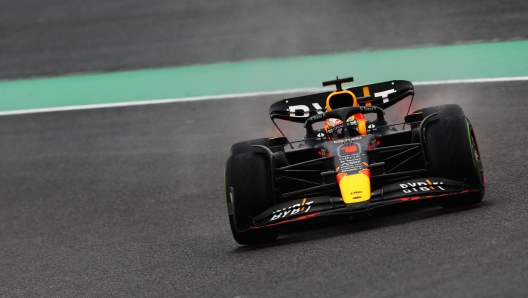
{"type": "Point", "coordinates": [353, 165]}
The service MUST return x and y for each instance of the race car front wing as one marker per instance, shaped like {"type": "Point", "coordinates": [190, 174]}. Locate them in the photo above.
{"type": "Point", "coordinates": [310, 207]}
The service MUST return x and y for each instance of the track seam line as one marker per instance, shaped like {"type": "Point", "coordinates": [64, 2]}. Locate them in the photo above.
{"type": "Point", "coordinates": [237, 95]}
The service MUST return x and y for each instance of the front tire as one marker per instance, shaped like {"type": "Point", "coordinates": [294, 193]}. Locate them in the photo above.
{"type": "Point", "coordinates": [248, 175]}
{"type": "Point", "coordinates": [453, 154]}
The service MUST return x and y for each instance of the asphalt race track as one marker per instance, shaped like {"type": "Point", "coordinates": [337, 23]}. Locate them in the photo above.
{"type": "Point", "coordinates": [129, 201]}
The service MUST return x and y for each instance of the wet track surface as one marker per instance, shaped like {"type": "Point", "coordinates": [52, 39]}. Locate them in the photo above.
{"type": "Point", "coordinates": [130, 202]}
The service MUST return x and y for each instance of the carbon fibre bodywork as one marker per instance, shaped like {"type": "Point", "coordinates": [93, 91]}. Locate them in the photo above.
{"type": "Point", "coordinates": [359, 172]}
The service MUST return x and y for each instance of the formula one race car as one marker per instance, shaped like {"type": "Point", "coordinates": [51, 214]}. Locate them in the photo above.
{"type": "Point", "coordinates": [353, 165]}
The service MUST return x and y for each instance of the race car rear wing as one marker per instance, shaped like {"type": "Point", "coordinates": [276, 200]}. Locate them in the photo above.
{"type": "Point", "coordinates": [383, 95]}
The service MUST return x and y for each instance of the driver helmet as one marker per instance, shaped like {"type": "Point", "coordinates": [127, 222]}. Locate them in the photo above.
{"type": "Point", "coordinates": [335, 129]}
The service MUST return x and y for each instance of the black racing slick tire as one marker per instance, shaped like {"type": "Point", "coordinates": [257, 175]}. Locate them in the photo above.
{"type": "Point", "coordinates": [452, 153]}
{"type": "Point", "coordinates": [248, 194]}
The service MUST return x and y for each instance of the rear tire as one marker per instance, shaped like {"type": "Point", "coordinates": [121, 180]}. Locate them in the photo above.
{"type": "Point", "coordinates": [248, 175]}
{"type": "Point", "coordinates": [452, 154]}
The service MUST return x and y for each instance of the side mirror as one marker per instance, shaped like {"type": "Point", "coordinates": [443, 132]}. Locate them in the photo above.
{"type": "Point", "coordinates": [278, 141]}
{"type": "Point", "coordinates": [415, 117]}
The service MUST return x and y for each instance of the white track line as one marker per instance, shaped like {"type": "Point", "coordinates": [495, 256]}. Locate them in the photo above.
{"type": "Point", "coordinates": [469, 81]}
{"type": "Point", "coordinates": [239, 95]}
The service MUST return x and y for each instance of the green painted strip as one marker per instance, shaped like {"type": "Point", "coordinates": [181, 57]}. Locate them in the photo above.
{"type": "Point", "coordinates": [487, 60]}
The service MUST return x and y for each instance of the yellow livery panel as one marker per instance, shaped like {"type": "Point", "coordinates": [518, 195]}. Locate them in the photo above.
{"type": "Point", "coordinates": [355, 188]}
